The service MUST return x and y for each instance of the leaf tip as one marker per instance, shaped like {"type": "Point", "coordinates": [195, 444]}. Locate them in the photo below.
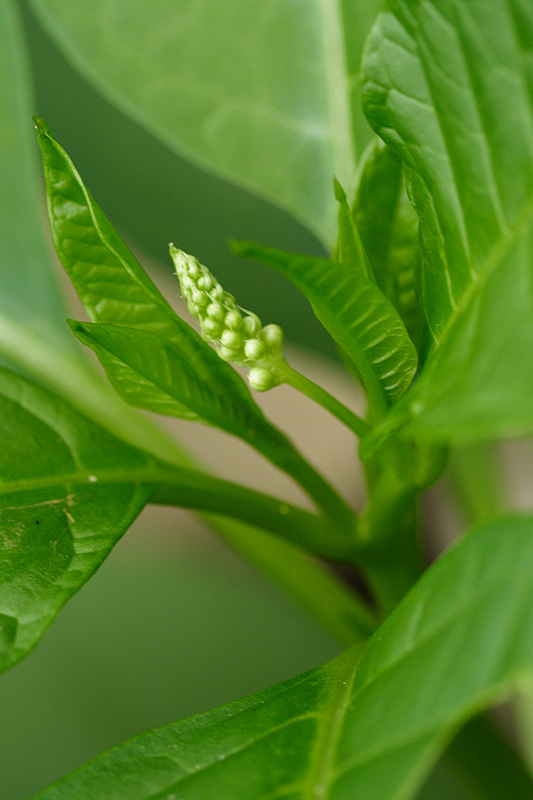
{"type": "Point", "coordinates": [41, 126]}
{"type": "Point", "coordinates": [340, 194]}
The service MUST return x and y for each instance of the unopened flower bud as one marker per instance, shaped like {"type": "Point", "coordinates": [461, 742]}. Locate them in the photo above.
{"type": "Point", "coordinates": [272, 335]}
{"type": "Point", "coordinates": [261, 379]}
{"type": "Point", "coordinates": [231, 339]}
{"type": "Point", "coordinates": [254, 349]}
{"type": "Point", "coordinates": [233, 320]}
{"type": "Point", "coordinates": [251, 325]}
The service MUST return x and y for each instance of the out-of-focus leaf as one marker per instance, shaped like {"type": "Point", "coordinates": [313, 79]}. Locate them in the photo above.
{"type": "Point", "coordinates": [368, 726]}
{"type": "Point", "coordinates": [354, 311]}
{"type": "Point", "coordinates": [266, 96]}
{"type": "Point", "coordinates": [449, 86]}
{"type": "Point", "coordinates": [29, 294]}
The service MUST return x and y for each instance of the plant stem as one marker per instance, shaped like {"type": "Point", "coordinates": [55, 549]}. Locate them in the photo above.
{"type": "Point", "coordinates": [323, 398]}
{"type": "Point", "coordinates": [188, 489]}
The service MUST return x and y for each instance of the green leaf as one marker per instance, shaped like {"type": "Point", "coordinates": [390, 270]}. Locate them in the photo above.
{"type": "Point", "coordinates": [267, 100]}
{"type": "Point", "coordinates": [388, 227]}
{"type": "Point", "coordinates": [58, 523]}
{"type": "Point", "coordinates": [449, 86]}
{"type": "Point", "coordinates": [29, 295]}
{"type": "Point", "coordinates": [368, 726]}
{"type": "Point", "coordinates": [179, 378]}
{"type": "Point", "coordinates": [114, 288]}
{"type": "Point", "coordinates": [355, 313]}
{"type": "Point", "coordinates": [109, 280]}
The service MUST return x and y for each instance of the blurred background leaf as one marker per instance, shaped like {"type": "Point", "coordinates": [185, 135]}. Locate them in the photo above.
{"type": "Point", "coordinates": [261, 95]}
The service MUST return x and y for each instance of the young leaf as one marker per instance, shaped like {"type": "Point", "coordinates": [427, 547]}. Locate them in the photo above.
{"type": "Point", "coordinates": [449, 87]}
{"type": "Point", "coordinates": [188, 381]}
{"type": "Point", "coordinates": [388, 227]}
{"type": "Point", "coordinates": [268, 100]}
{"type": "Point", "coordinates": [354, 311]}
{"type": "Point", "coordinates": [109, 280]}
{"type": "Point", "coordinates": [368, 726]}
{"type": "Point", "coordinates": [179, 378]}
{"type": "Point", "coordinates": [58, 523]}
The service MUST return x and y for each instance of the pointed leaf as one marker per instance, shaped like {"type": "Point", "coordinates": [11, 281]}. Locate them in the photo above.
{"type": "Point", "coordinates": [449, 86]}
{"type": "Point", "coordinates": [388, 226]}
{"type": "Point", "coordinates": [264, 98]}
{"type": "Point", "coordinates": [58, 522]}
{"type": "Point", "coordinates": [109, 280]}
{"type": "Point", "coordinates": [368, 726]}
{"type": "Point", "coordinates": [355, 313]}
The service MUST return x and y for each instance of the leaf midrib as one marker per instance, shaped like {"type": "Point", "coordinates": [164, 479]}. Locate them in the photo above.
{"type": "Point", "coordinates": [318, 778]}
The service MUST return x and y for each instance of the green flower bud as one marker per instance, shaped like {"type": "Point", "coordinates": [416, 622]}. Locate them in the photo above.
{"type": "Point", "coordinates": [233, 320]}
{"type": "Point", "coordinates": [232, 339]}
{"type": "Point", "coordinates": [251, 326]}
{"type": "Point", "coordinates": [228, 353]}
{"type": "Point", "coordinates": [215, 311]}
{"type": "Point", "coordinates": [211, 329]}
{"type": "Point", "coordinates": [238, 338]}
{"type": "Point", "coordinates": [272, 335]}
{"type": "Point", "coordinates": [205, 282]}
{"type": "Point", "coordinates": [261, 379]}
{"type": "Point", "coordinates": [254, 349]}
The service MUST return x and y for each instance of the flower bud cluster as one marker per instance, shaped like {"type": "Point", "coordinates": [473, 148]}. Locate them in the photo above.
{"type": "Point", "coordinates": [239, 338]}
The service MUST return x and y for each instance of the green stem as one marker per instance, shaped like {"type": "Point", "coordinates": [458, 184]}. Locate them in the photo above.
{"type": "Point", "coordinates": [323, 398]}
{"type": "Point", "coordinates": [188, 489]}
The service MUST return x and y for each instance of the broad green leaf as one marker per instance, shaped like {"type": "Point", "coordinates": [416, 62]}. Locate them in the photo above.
{"type": "Point", "coordinates": [449, 86]}
{"type": "Point", "coordinates": [388, 227]}
{"type": "Point", "coordinates": [29, 293]}
{"type": "Point", "coordinates": [264, 97]}
{"type": "Point", "coordinates": [355, 312]}
{"type": "Point", "coordinates": [367, 726]}
{"type": "Point", "coordinates": [58, 521]}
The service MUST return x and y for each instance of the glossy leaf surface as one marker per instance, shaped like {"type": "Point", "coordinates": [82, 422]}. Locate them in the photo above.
{"type": "Point", "coordinates": [267, 97]}
{"type": "Point", "coordinates": [449, 86]}
{"type": "Point", "coordinates": [57, 522]}
{"type": "Point", "coordinates": [114, 288]}
{"type": "Point", "coordinates": [366, 726]}
{"type": "Point", "coordinates": [179, 378]}
{"type": "Point", "coordinates": [354, 311]}
{"type": "Point", "coordinates": [388, 226]}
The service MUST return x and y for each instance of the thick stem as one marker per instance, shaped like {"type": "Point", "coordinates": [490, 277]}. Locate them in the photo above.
{"type": "Point", "coordinates": [323, 398]}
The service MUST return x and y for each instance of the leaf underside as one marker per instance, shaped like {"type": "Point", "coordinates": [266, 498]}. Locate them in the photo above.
{"type": "Point", "coordinates": [365, 726]}
{"type": "Point", "coordinates": [449, 86]}
{"type": "Point", "coordinates": [262, 96]}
